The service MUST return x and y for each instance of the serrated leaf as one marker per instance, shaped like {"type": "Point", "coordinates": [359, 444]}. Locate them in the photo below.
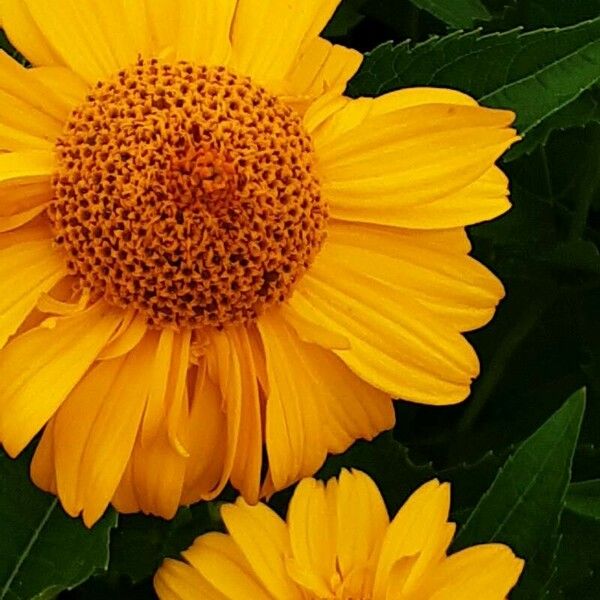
{"type": "Point", "coordinates": [536, 74]}
{"type": "Point", "coordinates": [44, 551]}
{"type": "Point", "coordinates": [583, 498]}
{"type": "Point", "coordinates": [581, 112]}
{"type": "Point", "coordinates": [456, 13]}
{"type": "Point", "coordinates": [524, 503]}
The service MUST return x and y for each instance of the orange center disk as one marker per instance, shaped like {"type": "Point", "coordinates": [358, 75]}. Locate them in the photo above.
{"type": "Point", "coordinates": [188, 193]}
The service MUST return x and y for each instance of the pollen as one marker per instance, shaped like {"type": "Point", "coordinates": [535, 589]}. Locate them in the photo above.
{"type": "Point", "coordinates": [188, 193]}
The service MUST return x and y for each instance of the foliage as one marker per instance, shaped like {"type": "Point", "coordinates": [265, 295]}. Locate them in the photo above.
{"type": "Point", "coordinates": [523, 461]}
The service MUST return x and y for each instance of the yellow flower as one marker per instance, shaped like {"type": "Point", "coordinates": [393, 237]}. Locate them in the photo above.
{"type": "Point", "coordinates": [208, 250]}
{"type": "Point", "coordinates": [338, 543]}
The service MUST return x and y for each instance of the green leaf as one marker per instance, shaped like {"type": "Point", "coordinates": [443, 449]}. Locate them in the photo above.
{"type": "Point", "coordinates": [578, 560]}
{"type": "Point", "coordinates": [582, 111]}
{"type": "Point", "coordinates": [456, 13]}
{"type": "Point", "coordinates": [522, 507]}
{"type": "Point", "coordinates": [44, 551]}
{"type": "Point", "coordinates": [548, 13]}
{"type": "Point", "coordinates": [583, 498]}
{"type": "Point", "coordinates": [536, 74]}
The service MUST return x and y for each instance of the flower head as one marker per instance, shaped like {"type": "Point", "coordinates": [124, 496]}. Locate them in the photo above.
{"type": "Point", "coordinates": [207, 250]}
{"type": "Point", "coordinates": [339, 544]}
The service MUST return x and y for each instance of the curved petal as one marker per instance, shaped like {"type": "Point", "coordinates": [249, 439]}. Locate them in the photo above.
{"type": "Point", "coordinates": [25, 168]}
{"type": "Point", "coordinates": [486, 571]}
{"type": "Point", "coordinates": [351, 408]}
{"type": "Point", "coordinates": [217, 558]}
{"type": "Point", "coordinates": [204, 31]}
{"type": "Point", "coordinates": [312, 523]}
{"type": "Point", "coordinates": [113, 432]}
{"type": "Point", "coordinates": [321, 67]}
{"type": "Point", "coordinates": [484, 199]}
{"type": "Point", "coordinates": [246, 471]}
{"type": "Point", "coordinates": [67, 88]}
{"type": "Point", "coordinates": [457, 290]}
{"type": "Point", "coordinates": [41, 367]}
{"type": "Point", "coordinates": [413, 529]}
{"type": "Point", "coordinates": [25, 35]}
{"type": "Point", "coordinates": [379, 164]}
{"type": "Point", "coordinates": [177, 581]}
{"type": "Point", "coordinates": [208, 467]}
{"type": "Point", "coordinates": [296, 444]}
{"type": "Point", "coordinates": [42, 470]}
{"type": "Point", "coordinates": [267, 58]}
{"type": "Point", "coordinates": [94, 38]}
{"type": "Point", "coordinates": [262, 537]}
{"type": "Point", "coordinates": [158, 461]}
{"type": "Point", "coordinates": [396, 345]}
{"type": "Point", "coordinates": [164, 18]}
{"type": "Point", "coordinates": [362, 522]}
{"type": "Point", "coordinates": [27, 270]}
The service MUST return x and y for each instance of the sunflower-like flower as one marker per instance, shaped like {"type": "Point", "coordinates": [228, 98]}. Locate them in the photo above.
{"type": "Point", "coordinates": [338, 544]}
{"type": "Point", "coordinates": [208, 250]}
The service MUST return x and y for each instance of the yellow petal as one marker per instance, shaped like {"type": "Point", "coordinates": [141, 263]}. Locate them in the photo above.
{"type": "Point", "coordinates": [458, 290]}
{"type": "Point", "coordinates": [385, 164]}
{"type": "Point", "coordinates": [343, 116]}
{"type": "Point", "coordinates": [410, 531]}
{"type": "Point", "coordinates": [176, 399]}
{"type": "Point", "coordinates": [217, 558]}
{"type": "Point", "coordinates": [27, 270]}
{"type": "Point", "coordinates": [351, 408]}
{"type": "Point", "coordinates": [322, 66]}
{"type": "Point", "coordinates": [396, 345]}
{"type": "Point", "coordinates": [224, 368]}
{"type": "Point", "coordinates": [488, 572]}
{"type": "Point", "coordinates": [25, 34]}
{"type": "Point", "coordinates": [204, 31]}
{"type": "Point", "coordinates": [27, 107]}
{"type": "Point", "coordinates": [362, 521]}
{"type": "Point", "coordinates": [125, 340]}
{"type": "Point", "coordinates": [68, 89]}
{"type": "Point", "coordinates": [312, 522]}
{"type": "Point", "coordinates": [262, 537]}
{"type": "Point", "coordinates": [125, 498]}
{"type": "Point", "coordinates": [42, 366]}
{"type": "Point", "coordinates": [246, 471]}
{"type": "Point", "coordinates": [73, 423]}
{"type": "Point", "coordinates": [112, 436]}
{"type": "Point", "coordinates": [158, 472]}
{"type": "Point", "coordinates": [42, 465]}
{"type": "Point", "coordinates": [159, 379]}
{"type": "Point", "coordinates": [294, 435]}
{"type": "Point", "coordinates": [177, 581]}
{"type": "Point", "coordinates": [18, 199]}
{"type": "Point", "coordinates": [484, 199]}
{"type": "Point", "coordinates": [78, 36]}
{"type": "Point", "coordinates": [164, 23]}
{"type": "Point", "coordinates": [290, 25]}
{"type": "Point", "coordinates": [208, 467]}
{"type": "Point", "coordinates": [31, 167]}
